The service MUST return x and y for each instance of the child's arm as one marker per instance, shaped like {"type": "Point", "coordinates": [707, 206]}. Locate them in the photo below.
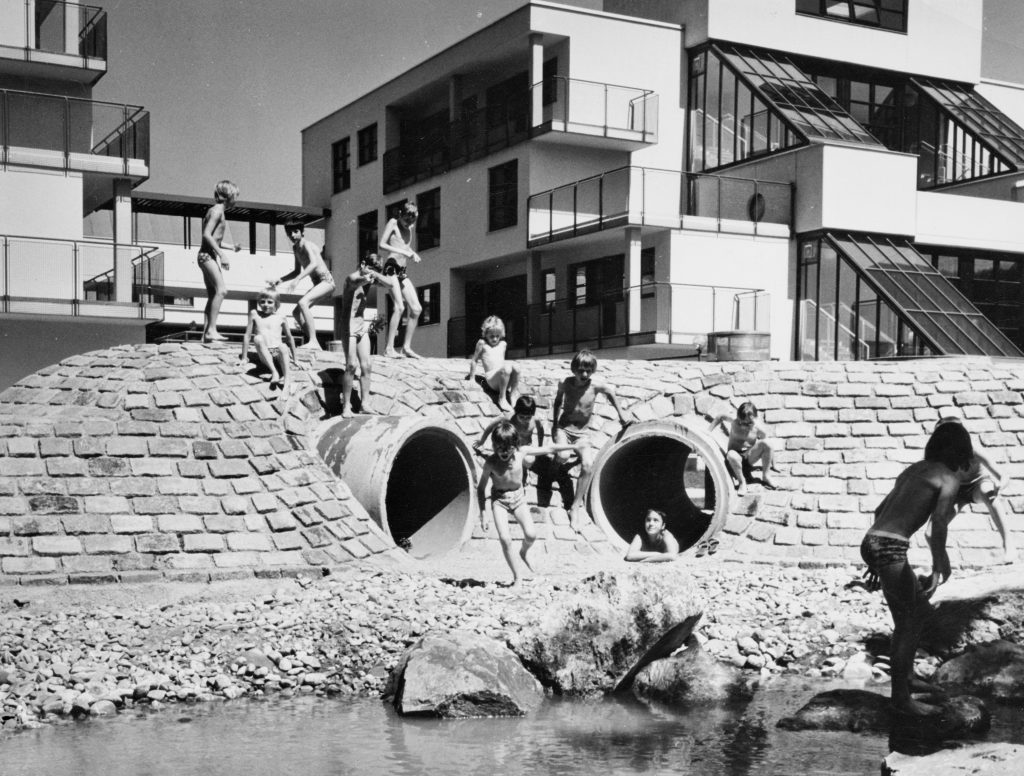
{"type": "Point", "coordinates": [625, 418]}
{"type": "Point", "coordinates": [313, 261]}
{"type": "Point", "coordinates": [288, 276]}
{"type": "Point", "coordinates": [485, 435]}
{"type": "Point", "coordinates": [481, 494]}
{"type": "Point", "coordinates": [477, 353]}
{"type": "Point", "coordinates": [548, 449]}
{"type": "Point", "coordinates": [247, 337]}
{"type": "Point", "coordinates": [945, 509]}
{"type": "Point", "coordinates": [635, 554]}
{"type": "Point", "coordinates": [721, 420]}
{"type": "Point", "coordinates": [540, 432]}
{"type": "Point", "coordinates": [1004, 479]}
{"type": "Point", "coordinates": [556, 406]}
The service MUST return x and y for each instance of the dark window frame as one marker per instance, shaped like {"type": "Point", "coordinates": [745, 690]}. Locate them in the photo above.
{"type": "Point", "coordinates": [364, 242]}
{"type": "Point", "coordinates": [428, 225]}
{"type": "Point", "coordinates": [888, 15]}
{"type": "Point", "coordinates": [366, 144]}
{"type": "Point", "coordinates": [503, 195]}
{"type": "Point", "coordinates": [430, 300]}
{"type": "Point", "coordinates": [341, 165]}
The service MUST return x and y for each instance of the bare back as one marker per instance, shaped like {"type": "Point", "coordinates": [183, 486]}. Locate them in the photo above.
{"type": "Point", "coordinates": [914, 497]}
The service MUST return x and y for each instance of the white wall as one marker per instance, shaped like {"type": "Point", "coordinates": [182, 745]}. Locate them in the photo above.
{"type": "Point", "coordinates": [41, 203]}
{"type": "Point", "coordinates": [12, 23]}
{"type": "Point", "coordinates": [969, 222]}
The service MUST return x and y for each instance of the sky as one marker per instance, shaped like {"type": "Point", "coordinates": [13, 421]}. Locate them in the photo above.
{"type": "Point", "coordinates": [230, 84]}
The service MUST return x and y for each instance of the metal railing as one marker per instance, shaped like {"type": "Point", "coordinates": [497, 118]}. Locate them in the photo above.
{"type": "Point", "coordinates": [605, 109]}
{"type": "Point", "coordinates": [681, 311]}
{"type": "Point", "coordinates": [78, 129]}
{"type": "Point", "coordinates": [47, 276]}
{"type": "Point", "coordinates": [58, 27]}
{"type": "Point", "coordinates": [645, 196]}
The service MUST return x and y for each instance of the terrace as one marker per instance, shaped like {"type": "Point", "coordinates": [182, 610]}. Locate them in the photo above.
{"type": "Point", "coordinates": [47, 38]}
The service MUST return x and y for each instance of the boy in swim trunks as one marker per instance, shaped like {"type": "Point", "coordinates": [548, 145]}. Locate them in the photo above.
{"type": "Point", "coordinates": [354, 331]}
{"type": "Point", "coordinates": [269, 325]}
{"type": "Point", "coordinates": [572, 410]}
{"type": "Point", "coordinates": [308, 261]}
{"type": "Point", "coordinates": [504, 470]}
{"type": "Point", "coordinates": [748, 442]}
{"type": "Point", "coordinates": [212, 261]}
{"type": "Point", "coordinates": [924, 491]}
{"type": "Point", "coordinates": [396, 242]}
{"type": "Point", "coordinates": [500, 375]}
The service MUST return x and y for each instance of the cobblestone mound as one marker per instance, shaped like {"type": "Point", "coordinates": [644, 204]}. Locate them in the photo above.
{"type": "Point", "coordinates": [145, 462]}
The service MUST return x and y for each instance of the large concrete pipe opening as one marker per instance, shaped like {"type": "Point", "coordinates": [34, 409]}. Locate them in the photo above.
{"type": "Point", "coordinates": [413, 476]}
{"type": "Point", "coordinates": [661, 464]}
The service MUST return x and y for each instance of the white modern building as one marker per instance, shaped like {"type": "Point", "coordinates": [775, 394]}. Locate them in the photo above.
{"type": "Point", "coordinates": [634, 175]}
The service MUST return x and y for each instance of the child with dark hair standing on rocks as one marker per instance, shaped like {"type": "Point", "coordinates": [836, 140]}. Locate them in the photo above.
{"type": "Point", "coordinates": [748, 442]}
{"type": "Point", "coordinates": [924, 491]}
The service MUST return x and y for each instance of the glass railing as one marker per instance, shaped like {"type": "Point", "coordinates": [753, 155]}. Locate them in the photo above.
{"type": "Point", "coordinates": [79, 277]}
{"type": "Point", "coordinates": [643, 196]}
{"type": "Point", "coordinates": [81, 131]}
{"type": "Point", "coordinates": [681, 311]}
{"type": "Point", "coordinates": [57, 27]}
{"type": "Point", "coordinates": [600, 108]}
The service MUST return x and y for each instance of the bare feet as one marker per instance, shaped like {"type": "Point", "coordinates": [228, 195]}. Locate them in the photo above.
{"type": "Point", "coordinates": [916, 708]}
{"type": "Point", "coordinates": [514, 583]}
{"type": "Point", "coordinates": [214, 337]}
{"type": "Point", "coordinates": [522, 554]}
{"type": "Point", "coordinates": [574, 517]}
{"type": "Point", "coordinates": [392, 353]}
{"type": "Point", "coordinates": [313, 344]}
{"type": "Point", "coordinates": [741, 490]}
{"type": "Point", "coordinates": [410, 353]}
{"type": "Point", "coordinates": [504, 406]}
{"type": "Point", "coordinates": [346, 412]}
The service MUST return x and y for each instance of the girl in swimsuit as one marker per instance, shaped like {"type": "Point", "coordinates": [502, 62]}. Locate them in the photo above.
{"type": "Point", "coordinates": [656, 544]}
{"type": "Point", "coordinates": [396, 242]}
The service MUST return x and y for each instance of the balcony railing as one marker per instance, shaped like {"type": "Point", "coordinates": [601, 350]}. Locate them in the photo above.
{"type": "Point", "coordinates": [682, 313]}
{"type": "Point", "coordinates": [78, 277]}
{"type": "Point", "coordinates": [46, 130]}
{"type": "Point", "coordinates": [567, 105]}
{"type": "Point", "coordinates": [643, 196]}
{"type": "Point", "coordinates": [57, 27]}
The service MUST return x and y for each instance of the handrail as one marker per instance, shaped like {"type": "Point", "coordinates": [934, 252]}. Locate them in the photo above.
{"type": "Point", "coordinates": [657, 169]}
{"type": "Point", "coordinates": [91, 22]}
{"type": "Point", "coordinates": [73, 99]}
{"type": "Point", "coordinates": [567, 79]}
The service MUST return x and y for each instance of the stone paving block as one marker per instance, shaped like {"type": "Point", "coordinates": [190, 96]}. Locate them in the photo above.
{"type": "Point", "coordinates": [86, 524]}
{"type": "Point", "coordinates": [35, 525]}
{"type": "Point", "coordinates": [230, 468]}
{"type": "Point", "coordinates": [15, 565]}
{"type": "Point", "coordinates": [223, 523]}
{"type": "Point", "coordinates": [88, 564]}
{"type": "Point", "coordinates": [157, 543]}
{"type": "Point", "coordinates": [14, 547]}
{"type": "Point", "coordinates": [203, 542]}
{"type": "Point", "coordinates": [101, 544]}
{"type": "Point", "coordinates": [131, 524]}
{"type": "Point", "coordinates": [236, 559]}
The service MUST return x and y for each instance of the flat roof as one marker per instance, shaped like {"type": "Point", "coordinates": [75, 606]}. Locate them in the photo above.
{"type": "Point", "coordinates": [196, 207]}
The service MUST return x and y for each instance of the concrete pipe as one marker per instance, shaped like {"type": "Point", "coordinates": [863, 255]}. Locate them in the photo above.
{"type": "Point", "coordinates": [415, 477]}
{"type": "Point", "coordinates": [650, 467]}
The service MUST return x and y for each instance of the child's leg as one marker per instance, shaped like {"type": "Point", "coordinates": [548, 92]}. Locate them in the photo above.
{"type": "Point", "coordinates": [397, 309]}
{"type": "Point", "coordinates": [281, 358]}
{"type": "Point", "coordinates": [734, 459]}
{"type": "Point", "coordinates": [566, 486]}
{"type": "Point", "coordinates": [365, 370]}
{"type": "Point", "coordinates": [544, 467]}
{"type": "Point", "coordinates": [263, 351]}
{"type": "Point", "coordinates": [522, 516]}
{"type": "Point", "coordinates": [351, 356]}
{"type": "Point", "coordinates": [762, 451]}
{"type": "Point", "coordinates": [501, 524]}
{"type": "Point", "coordinates": [996, 513]}
{"type": "Point", "coordinates": [412, 302]}
{"type": "Point", "coordinates": [216, 290]}
{"type": "Point", "coordinates": [513, 383]}
{"type": "Point", "coordinates": [499, 381]}
{"type": "Point", "coordinates": [586, 470]}
{"type": "Point", "coordinates": [305, 308]}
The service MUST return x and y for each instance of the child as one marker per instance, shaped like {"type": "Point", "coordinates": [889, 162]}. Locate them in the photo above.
{"type": "Point", "coordinates": [354, 331]}
{"type": "Point", "coordinates": [978, 488]}
{"type": "Point", "coordinates": [397, 242]}
{"type": "Point", "coordinates": [500, 375]}
{"type": "Point", "coordinates": [308, 261]}
{"type": "Point", "coordinates": [269, 325]}
{"type": "Point", "coordinates": [504, 470]}
{"type": "Point", "coordinates": [747, 442]}
{"type": "Point", "coordinates": [545, 467]}
{"type": "Point", "coordinates": [212, 261]}
{"type": "Point", "coordinates": [656, 544]}
{"type": "Point", "coordinates": [572, 410]}
{"type": "Point", "coordinates": [924, 490]}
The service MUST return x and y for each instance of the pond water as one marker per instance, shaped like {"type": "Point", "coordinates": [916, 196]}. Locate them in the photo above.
{"type": "Point", "coordinates": [335, 737]}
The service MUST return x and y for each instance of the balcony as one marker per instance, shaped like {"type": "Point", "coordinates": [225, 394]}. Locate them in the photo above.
{"type": "Point", "coordinates": [642, 196]}
{"type": "Point", "coordinates": [72, 134]}
{"type": "Point", "coordinates": [53, 39]}
{"type": "Point", "coordinates": [568, 110]}
{"type": "Point", "coordinates": [672, 314]}
{"type": "Point", "coordinates": [79, 278]}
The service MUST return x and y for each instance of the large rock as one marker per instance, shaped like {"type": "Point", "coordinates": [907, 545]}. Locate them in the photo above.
{"type": "Point", "coordinates": [995, 669]}
{"type": "Point", "coordinates": [689, 677]}
{"type": "Point", "coordinates": [975, 759]}
{"type": "Point", "coordinates": [462, 674]}
{"type": "Point", "coordinates": [584, 645]}
{"type": "Point", "coordinates": [862, 711]}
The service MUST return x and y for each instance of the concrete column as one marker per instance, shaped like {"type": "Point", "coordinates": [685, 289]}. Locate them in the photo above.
{"type": "Point", "coordinates": [122, 240]}
{"type": "Point", "coordinates": [534, 279]}
{"type": "Point", "coordinates": [72, 22]}
{"type": "Point", "coordinates": [30, 24]}
{"type": "Point", "coordinates": [632, 273]}
{"type": "Point", "coordinates": [454, 97]}
{"type": "Point", "coordinates": [536, 77]}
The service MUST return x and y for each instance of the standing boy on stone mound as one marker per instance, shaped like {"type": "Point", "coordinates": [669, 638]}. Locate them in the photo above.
{"type": "Point", "coordinates": [572, 410]}
{"type": "Point", "coordinates": [354, 331]}
{"type": "Point", "coordinates": [212, 258]}
{"type": "Point", "coordinates": [924, 490]}
{"type": "Point", "coordinates": [748, 441]}
{"type": "Point", "coordinates": [308, 261]}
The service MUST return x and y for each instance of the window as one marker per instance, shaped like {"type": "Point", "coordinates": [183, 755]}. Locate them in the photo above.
{"type": "Point", "coordinates": [430, 300]}
{"type": "Point", "coordinates": [341, 165]}
{"type": "Point", "coordinates": [368, 233]}
{"type": "Point", "coordinates": [595, 281]}
{"type": "Point", "coordinates": [885, 14]}
{"type": "Point", "coordinates": [647, 272]}
{"type": "Point", "coordinates": [502, 196]}
{"type": "Point", "coordinates": [428, 225]}
{"type": "Point", "coordinates": [550, 88]}
{"type": "Point", "coordinates": [366, 140]}
{"type": "Point", "coordinates": [550, 288]}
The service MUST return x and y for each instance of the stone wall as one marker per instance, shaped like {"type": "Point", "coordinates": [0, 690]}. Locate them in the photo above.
{"type": "Point", "coordinates": [144, 462]}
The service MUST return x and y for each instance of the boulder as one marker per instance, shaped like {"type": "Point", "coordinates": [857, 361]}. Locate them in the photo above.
{"type": "Point", "coordinates": [584, 644]}
{"type": "Point", "coordinates": [102, 708]}
{"type": "Point", "coordinates": [462, 674]}
{"type": "Point", "coordinates": [689, 677]}
{"type": "Point", "coordinates": [994, 759]}
{"type": "Point", "coordinates": [995, 669]}
{"type": "Point", "coordinates": [860, 711]}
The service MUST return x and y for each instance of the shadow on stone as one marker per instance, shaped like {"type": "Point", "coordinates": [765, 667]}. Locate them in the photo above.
{"type": "Point", "coordinates": [995, 669]}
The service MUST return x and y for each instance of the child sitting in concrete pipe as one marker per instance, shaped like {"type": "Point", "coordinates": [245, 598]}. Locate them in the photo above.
{"type": "Point", "coordinates": [655, 544]}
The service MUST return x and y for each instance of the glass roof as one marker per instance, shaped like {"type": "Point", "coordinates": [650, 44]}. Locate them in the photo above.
{"type": "Point", "coordinates": [928, 301]}
{"type": "Point", "coordinates": [993, 128]}
{"type": "Point", "coordinates": [803, 105]}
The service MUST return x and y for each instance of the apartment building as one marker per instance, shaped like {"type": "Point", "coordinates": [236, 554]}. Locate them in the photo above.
{"type": "Point", "coordinates": [805, 179]}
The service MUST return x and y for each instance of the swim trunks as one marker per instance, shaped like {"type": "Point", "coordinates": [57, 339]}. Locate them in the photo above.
{"type": "Point", "coordinates": [574, 436]}
{"type": "Point", "coordinates": [510, 499]}
{"type": "Point", "coordinates": [322, 276]}
{"type": "Point", "coordinates": [360, 329]}
{"type": "Point", "coordinates": [881, 549]}
{"type": "Point", "coordinates": [393, 268]}
{"type": "Point", "coordinates": [204, 256]}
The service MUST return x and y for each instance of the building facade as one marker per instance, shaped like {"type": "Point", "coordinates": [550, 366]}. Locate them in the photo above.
{"type": "Point", "coordinates": [647, 178]}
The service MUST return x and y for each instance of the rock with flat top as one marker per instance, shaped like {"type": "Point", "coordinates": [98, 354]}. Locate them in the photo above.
{"type": "Point", "coordinates": [994, 669]}
{"type": "Point", "coordinates": [994, 759]}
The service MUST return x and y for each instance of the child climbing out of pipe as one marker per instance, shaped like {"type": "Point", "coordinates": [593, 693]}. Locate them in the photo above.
{"type": "Point", "coordinates": [504, 470]}
{"type": "Point", "coordinates": [572, 410]}
{"type": "Point", "coordinates": [547, 468]}
{"type": "Point", "coordinates": [748, 442]}
{"type": "Point", "coordinates": [266, 327]}
{"type": "Point", "coordinates": [499, 375]}
{"type": "Point", "coordinates": [655, 544]}
{"type": "Point", "coordinates": [978, 487]}
{"type": "Point", "coordinates": [925, 491]}
{"type": "Point", "coordinates": [354, 331]}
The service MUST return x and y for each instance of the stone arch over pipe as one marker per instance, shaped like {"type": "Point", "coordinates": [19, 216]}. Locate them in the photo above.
{"type": "Point", "coordinates": [651, 466]}
{"type": "Point", "coordinates": [415, 477]}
